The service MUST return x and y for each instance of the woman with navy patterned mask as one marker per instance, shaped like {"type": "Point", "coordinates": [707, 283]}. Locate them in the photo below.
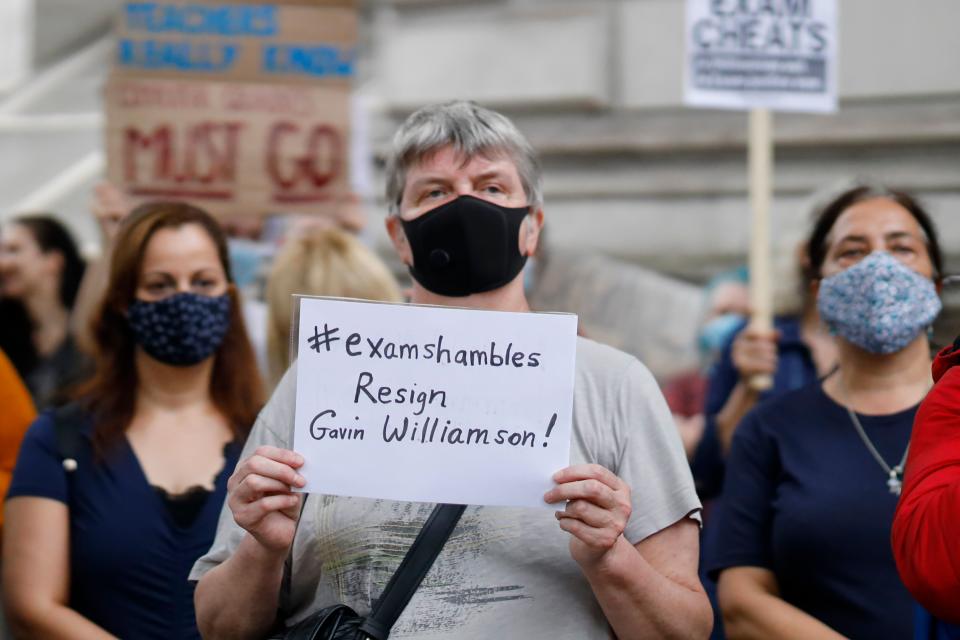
{"type": "Point", "coordinates": [102, 543]}
{"type": "Point", "coordinates": [814, 476]}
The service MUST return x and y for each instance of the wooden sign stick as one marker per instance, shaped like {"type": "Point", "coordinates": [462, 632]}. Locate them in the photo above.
{"type": "Point", "coordinates": [760, 160]}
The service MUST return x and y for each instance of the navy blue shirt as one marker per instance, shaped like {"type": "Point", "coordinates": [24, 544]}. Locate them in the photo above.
{"type": "Point", "coordinates": [804, 498]}
{"type": "Point", "coordinates": [795, 369]}
{"type": "Point", "coordinates": [926, 627]}
{"type": "Point", "coordinates": [129, 560]}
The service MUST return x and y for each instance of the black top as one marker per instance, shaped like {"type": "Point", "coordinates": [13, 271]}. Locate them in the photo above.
{"type": "Point", "coordinates": [184, 507]}
{"type": "Point", "coordinates": [50, 378]}
{"type": "Point", "coordinates": [804, 498]}
{"type": "Point", "coordinates": [130, 555]}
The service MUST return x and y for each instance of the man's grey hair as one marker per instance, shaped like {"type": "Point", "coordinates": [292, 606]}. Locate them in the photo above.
{"type": "Point", "coordinates": [471, 130]}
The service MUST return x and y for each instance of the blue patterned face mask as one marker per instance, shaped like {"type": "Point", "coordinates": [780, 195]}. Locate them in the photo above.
{"type": "Point", "coordinates": [181, 330]}
{"type": "Point", "coordinates": [878, 304]}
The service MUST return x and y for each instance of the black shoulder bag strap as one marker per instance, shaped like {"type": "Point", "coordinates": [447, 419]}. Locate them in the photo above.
{"type": "Point", "coordinates": [408, 576]}
{"type": "Point", "coordinates": [405, 580]}
{"type": "Point", "coordinates": [284, 604]}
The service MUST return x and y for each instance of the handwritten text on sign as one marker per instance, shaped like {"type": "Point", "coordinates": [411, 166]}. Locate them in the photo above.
{"type": "Point", "coordinates": [433, 404]}
{"type": "Point", "coordinates": [777, 54]}
{"type": "Point", "coordinates": [229, 147]}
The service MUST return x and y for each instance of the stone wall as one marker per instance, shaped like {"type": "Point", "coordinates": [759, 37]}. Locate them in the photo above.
{"type": "Point", "coordinates": [633, 175]}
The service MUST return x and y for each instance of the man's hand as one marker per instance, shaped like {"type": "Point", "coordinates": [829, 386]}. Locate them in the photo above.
{"type": "Point", "coordinates": [597, 510]}
{"type": "Point", "coordinates": [755, 352]}
{"type": "Point", "coordinates": [261, 499]}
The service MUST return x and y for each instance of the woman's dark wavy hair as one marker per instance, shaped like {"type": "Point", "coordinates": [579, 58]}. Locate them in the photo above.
{"type": "Point", "coordinates": [235, 386]}
{"type": "Point", "coordinates": [826, 217]}
{"type": "Point", "coordinates": [16, 325]}
{"type": "Point", "coordinates": [51, 235]}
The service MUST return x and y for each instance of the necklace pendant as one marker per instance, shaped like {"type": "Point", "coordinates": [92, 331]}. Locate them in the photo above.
{"type": "Point", "coordinates": [894, 483]}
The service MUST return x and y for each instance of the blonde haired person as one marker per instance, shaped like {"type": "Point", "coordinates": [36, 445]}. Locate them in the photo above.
{"type": "Point", "coordinates": [323, 262]}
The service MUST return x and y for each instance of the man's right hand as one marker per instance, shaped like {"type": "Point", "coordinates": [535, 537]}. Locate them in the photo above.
{"type": "Point", "coordinates": [261, 499]}
{"type": "Point", "coordinates": [754, 352]}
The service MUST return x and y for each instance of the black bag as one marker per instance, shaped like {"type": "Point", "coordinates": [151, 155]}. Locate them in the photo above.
{"type": "Point", "coordinates": [340, 622]}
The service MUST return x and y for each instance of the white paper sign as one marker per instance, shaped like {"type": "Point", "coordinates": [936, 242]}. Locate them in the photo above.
{"type": "Point", "coordinates": [433, 404]}
{"type": "Point", "coordinates": [775, 54]}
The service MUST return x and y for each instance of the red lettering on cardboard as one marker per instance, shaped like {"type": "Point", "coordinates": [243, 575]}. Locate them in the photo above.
{"type": "Point", "coordinates": [301, 164]}
{"type": "Point", "coordinates": [199, 160]}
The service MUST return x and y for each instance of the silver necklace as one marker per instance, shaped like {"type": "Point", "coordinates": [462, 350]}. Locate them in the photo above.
{"type": "Point", "coordinates": [894, 474]}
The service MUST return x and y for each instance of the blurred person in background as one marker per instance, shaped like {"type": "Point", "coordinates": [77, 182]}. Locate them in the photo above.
{"type": "Point", "coordinates": [926, 526]}
{"type": "Point", "coordinates": [799, 351]}
{"type": "Point", "coordinates": [109, 206]}
{"type": "Point", "coordinates": [16, 414]}
{"type": "Point", "coordinates": [249, 256]}
{"type": "Point", "coordinates": [727, 301]}
{"type": "Point", "coordinates": [320, 262]}
{"type": "Point", "coordinates": [726, 305]}
{"type": "Point", "coordinates": [813, 477]}
{"type": "Point", "coordinates": [40, 273]}
{"type": "Point", "coordinates": [104, 550]}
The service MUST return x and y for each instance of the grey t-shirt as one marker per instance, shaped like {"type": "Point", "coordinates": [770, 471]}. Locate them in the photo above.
{"type": "Point", "coordinates": [505, 572]}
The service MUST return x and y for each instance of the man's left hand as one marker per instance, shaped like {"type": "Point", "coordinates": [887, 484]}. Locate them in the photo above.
{"type": "Point", "coordinates": [597, 510]}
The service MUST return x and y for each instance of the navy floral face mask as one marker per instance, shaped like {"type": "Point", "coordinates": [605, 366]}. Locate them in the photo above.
{"type": "Point", "coordinates": [878, 304]}
{"type": "Point", "coordinates": [181, 330]}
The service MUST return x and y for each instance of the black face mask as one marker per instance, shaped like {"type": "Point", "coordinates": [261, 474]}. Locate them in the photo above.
{"type": "Point", "coordinates": [466, 246]}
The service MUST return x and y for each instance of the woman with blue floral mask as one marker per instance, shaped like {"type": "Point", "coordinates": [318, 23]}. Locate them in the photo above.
{"type": "Point", "coordinates": [814, 476]}
{"type": "Point", "coordinates": [115, 496]}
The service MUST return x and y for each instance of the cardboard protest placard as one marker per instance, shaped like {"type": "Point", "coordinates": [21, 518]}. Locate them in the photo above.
{"type": "Point", "coordinates": [774, 54]}
{"type": "Point", "coordinates": [433, 404]}
{"type": "Point", "coordinates": [239, 107]}
{"type": "Point", "coordinates": [215, 39]}
{"type": "Point", "coordinates": [229, 147]}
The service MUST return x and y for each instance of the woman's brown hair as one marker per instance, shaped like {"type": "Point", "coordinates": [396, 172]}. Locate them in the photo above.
{"type": "Point", "coordinates": [110, 396]}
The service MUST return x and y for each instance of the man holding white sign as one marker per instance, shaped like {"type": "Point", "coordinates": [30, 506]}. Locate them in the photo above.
{"type": "Point", "coordinates": [391, 397]}
{"type": "Point", "coordinates": [464, 187]}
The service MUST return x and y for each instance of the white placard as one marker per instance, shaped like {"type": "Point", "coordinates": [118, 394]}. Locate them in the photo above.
{"type": "Point", "coordinates": [773, 54]}
{"type": "Point", "coordinates": [433, 404]}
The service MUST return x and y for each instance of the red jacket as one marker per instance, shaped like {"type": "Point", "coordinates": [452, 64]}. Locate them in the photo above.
{"type": "Point", "coordinates": [926, 527]}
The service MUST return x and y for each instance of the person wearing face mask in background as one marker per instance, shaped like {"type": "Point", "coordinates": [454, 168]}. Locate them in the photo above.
{"type": "Point", "coordinates": [798, 352]}
{"type": "Point", "coordinates": [726, 304]}
{"type": "Point", "coordinates": [254, 241]}
{"type": "Point", "coordinates": [814, 476]}
{"type": "Point", "coordinates": [466, 211]}
{"type": "Point", "coordinates": [99, 540]}
{"type": "Point", "coordinates": [248, 263]}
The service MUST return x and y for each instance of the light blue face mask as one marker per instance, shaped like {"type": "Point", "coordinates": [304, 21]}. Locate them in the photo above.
{"type": "Point", "coordinates": [247, 260]}
{"type": "Point", "coordinates": [878, 304]}
{"type": "Point", "coordinates": [717, 332]}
